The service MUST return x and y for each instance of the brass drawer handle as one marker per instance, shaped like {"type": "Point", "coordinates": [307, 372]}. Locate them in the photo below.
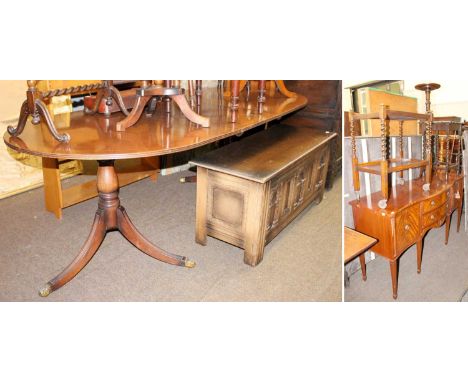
{"type": "Point", "coordinates": [432, 203]}
{"type": "Point", "coordinates": [432, 217]}
{"type": "Point", "coordinates": [407, 227]}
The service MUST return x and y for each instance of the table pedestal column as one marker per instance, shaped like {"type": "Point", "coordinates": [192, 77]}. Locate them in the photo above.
{"type": "Point", "coordinates": [110, 216]}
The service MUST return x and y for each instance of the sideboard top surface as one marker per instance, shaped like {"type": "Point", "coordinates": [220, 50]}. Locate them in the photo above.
{"type": "Point", "coordinates": [402, 196]}
{"type": "Point", "coordinates": [263, 155]}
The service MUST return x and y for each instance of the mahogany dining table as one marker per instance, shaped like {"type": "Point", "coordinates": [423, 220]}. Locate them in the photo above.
{"type": "Point", "coordinates": [95, 137]}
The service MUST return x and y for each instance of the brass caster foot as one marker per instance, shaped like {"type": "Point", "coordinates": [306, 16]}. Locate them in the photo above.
{"type": "Point", "coordinates": [45, 290]}
{"type": "Point", "coordinates": [189, 264]}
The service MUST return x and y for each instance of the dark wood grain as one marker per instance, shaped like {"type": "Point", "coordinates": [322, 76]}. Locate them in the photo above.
{"type": "Point", "coordinates": [323, 112]}
{"type": "Point", "coordinates": [252, 189]}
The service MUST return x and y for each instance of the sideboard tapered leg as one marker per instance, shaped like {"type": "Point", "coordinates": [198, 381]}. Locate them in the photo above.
{"type": "Point", "coordinates": [394, 272]}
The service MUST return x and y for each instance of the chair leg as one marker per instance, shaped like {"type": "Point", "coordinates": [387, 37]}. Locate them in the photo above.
{"type": "Point", "coordinates": [419, 254]}
{"type": "Point", "coordinates": [362, 260]}
{"type": "Point", "coordinates": [234, 100]}
{"type": "Point", "coordinates": [52, 186]}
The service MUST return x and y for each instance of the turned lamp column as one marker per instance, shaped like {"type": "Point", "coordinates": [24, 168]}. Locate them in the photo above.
{"type": "Point", "coordinates": [428, 88]}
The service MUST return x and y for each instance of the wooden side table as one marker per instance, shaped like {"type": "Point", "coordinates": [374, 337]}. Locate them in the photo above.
{"type": "Point", "coordinates": [355, 244]}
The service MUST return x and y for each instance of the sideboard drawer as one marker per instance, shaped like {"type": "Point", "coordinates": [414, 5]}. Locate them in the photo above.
{"type": "Point", "coordinates": [406, 227]}
{"type": "Point", "coordinates": [433, 203]}
{"type": "Point", "coordinates": [434, 216]}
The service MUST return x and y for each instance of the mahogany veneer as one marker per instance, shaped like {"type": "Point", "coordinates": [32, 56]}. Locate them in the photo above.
{"type": "Point", "coordinates": [409, 214]}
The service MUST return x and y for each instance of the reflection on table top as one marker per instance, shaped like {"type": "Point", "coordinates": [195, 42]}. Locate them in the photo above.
{"type": "Point", "coordinates": [95, 137]}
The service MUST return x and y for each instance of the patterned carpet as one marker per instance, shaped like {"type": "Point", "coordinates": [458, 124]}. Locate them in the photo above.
{"type": "Point", "coordinates": [303, 263]}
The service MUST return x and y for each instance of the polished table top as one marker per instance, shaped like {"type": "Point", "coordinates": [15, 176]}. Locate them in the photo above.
{"type": "Point", "coordinates": [355, 243]}
{"type": "Point", "coordinates": [94, 137]}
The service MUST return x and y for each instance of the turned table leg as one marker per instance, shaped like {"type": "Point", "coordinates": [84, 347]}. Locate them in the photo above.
{"type": "Point", "coordinates": [394, 272]}
{"type": "Point", "coordinates": [419, 254]}
{"type": "Point", "coordinates": [459, 214]}
{"type": "Point", "coordinates": [448, 220]}
{"type": "Point", "coordinates": [362, 260]}
{"type": "Point", "coordinates": [110, 216]}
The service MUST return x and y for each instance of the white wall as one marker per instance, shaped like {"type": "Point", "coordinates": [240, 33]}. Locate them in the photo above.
{"type": "Point", "coordinates": [450, 100]}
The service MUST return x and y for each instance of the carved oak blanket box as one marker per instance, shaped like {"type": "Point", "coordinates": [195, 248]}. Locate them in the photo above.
{"type": "Point", "coordinates": [248, 191]}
